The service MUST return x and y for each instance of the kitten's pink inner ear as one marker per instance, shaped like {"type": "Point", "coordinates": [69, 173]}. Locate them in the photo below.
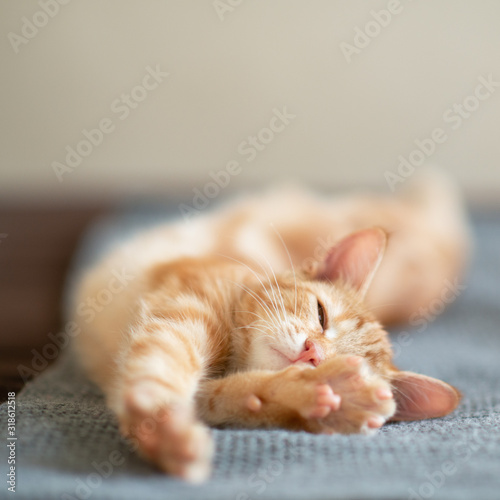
{"type": "Point", "coordinates": [418, 397]}
{"type": "Point", "coordinates": [355, 259]}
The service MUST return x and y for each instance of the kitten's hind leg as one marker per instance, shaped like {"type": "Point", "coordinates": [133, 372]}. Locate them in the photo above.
{"type": "Point", "coordinates": [154, 401]}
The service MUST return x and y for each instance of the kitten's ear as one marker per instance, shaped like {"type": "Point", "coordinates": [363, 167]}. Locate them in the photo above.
{"type": "Point", "coordinates": [355, 259]}
{"type": "Point", "coordinates": [418, 397]}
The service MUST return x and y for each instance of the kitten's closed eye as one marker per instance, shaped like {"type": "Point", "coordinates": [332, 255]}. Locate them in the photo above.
{"type": "Point", "coordinates": [321, 315]}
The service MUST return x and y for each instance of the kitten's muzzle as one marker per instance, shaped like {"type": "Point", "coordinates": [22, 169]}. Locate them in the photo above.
{"type": "Point", "coordinates": [312, 353]}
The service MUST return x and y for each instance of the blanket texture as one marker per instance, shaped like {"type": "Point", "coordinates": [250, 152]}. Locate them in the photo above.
{"type": "Point", "coordinates": [68, 445]}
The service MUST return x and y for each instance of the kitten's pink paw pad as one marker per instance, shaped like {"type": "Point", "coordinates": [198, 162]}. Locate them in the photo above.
{"type": "Point", "coordinates": [384, 393]}
{"type": "Point", "coordinates": [367, 399]}
{"type": "Point", "coordinates": [375, 422]}
{"type": "Point", "coordinates": [168, 436]}
{"type": "Point", "coordinates": [325, 402]}
{"type": "Point", "coordinates": [254, 403]}
{"type": "Point", "coordinates": [371, 425]}
{"type": "Point", "coordinates": [187, 452]}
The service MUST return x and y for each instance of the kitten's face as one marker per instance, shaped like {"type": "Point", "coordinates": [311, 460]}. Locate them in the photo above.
{"type": "Point", "coordinates": [298, 320]}
{"type": "Point", "coordinates": [312, 317]}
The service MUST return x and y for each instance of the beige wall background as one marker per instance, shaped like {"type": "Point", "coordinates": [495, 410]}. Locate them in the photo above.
{"type": "Point", "coordinates": [230, 64]}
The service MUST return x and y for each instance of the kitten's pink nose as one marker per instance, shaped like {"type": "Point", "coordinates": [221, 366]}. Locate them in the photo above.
{"type": "Point", "coordinates": [311, 353]}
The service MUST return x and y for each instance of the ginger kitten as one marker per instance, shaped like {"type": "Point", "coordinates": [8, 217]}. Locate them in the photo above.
{"type": "Point", "coordinates": [245, 317]}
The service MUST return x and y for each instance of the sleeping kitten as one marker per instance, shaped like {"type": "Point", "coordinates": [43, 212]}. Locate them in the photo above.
{"type": "Point", "coordinates": [244, 317]}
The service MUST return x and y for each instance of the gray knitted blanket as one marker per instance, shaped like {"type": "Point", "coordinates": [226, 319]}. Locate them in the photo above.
{"type": "Point", "coordinates": [68, 445]}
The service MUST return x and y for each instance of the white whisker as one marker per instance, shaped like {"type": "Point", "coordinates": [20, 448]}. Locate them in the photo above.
{"type": "Point", "coordinates": [291, 263]}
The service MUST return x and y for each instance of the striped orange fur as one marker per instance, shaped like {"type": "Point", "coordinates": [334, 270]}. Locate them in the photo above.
{"type": "Point", "coordinates": [244, 317]}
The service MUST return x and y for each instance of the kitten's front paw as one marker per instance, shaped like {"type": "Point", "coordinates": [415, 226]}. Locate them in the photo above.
{"type": "Point", "coordinates": [167, 434]}
{"type": "Point", "coordinates": [322, 402]}
{"type": "Point", "coordinates": [308, 397]}
{"type": "Point", "coordinates": [367, 400]}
